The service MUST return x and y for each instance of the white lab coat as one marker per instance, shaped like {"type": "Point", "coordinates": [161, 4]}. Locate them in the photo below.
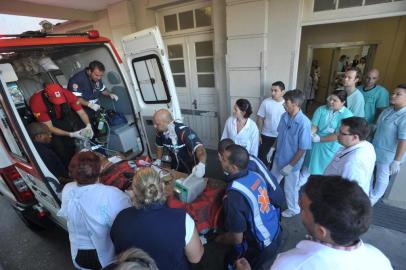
{"type": "Point", "coordinates": [355, 163]}
{"type": "Point", "coordinates": [248, 137]}
{"type": "Point", "coordinates": [90, 211]}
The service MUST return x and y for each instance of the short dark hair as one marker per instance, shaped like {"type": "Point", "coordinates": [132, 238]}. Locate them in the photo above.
{"type": "Point", "coordinates": [245, 106]}
{"type": "Point", "coordinates": [96, 64]}
{"type": "Point", "coordinates": [357, 72]}
{"type": "Point", "coordinates": [341, 94]}
{"type": "Point", "coordinates": [36, 128]}
{"type": "Point", "coordinates": [340, 205]}
{"type": "Point", "coordinates": [84, 167]}
{"type": "Point", "coordinates": [280, 84]}
{"type": "Point", "coordinates": [223, 144]}
{"type": "Point", "coordinates": [357, 126]}
{"type": "Point", "coordinates": [238, 156]}
{"type": "Point", "coordinates": [402, 85]}
{"type": "Point", "coordinates": [295, 96]}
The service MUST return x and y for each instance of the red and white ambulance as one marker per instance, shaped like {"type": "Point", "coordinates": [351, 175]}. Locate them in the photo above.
{"type": "Point", "coordinates": [142, 80]}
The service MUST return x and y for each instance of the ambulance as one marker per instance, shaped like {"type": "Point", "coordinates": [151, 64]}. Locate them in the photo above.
{"type": "Point", "coordinates": [142, 80]}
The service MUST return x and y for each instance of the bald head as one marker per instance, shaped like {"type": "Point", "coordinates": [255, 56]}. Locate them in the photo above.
{"type": "Point", "coordinates": [161, 119]}
{"type": "Point", "coordinates": [371, 78]}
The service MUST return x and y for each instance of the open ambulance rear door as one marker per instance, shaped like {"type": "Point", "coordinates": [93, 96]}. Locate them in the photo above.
{"type": "Point", "coordinates": [151, 76]}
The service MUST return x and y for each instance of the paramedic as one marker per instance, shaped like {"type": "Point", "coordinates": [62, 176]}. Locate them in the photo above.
{"type": "Point", "coordinates": [60, 110]}
{"type": "Point", "coordinates": [251, 221]}
{"type": "Point", "coordinates": [186, 151]}
{"type": "Point", "coordinates": [87, 85]}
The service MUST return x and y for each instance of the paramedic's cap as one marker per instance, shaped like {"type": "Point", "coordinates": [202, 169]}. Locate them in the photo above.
{"type": "Point", "coordinates": [47, 64]}
{"type": "Point", "coordinates": [54, 93]}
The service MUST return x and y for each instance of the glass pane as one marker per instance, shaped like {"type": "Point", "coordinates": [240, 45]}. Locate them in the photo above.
{"type": "Point", "coordinates": [171, 23]}
{"type": "Point", "coordinates": [203, 16]}
{"type": "Point", "coordinates": [177, 66]}
{"type": "Point", "coordinates": [175, 51]}
{"type": "Point", "coordinates": [186, 20]}
{"type": "Point", "coordinates": [204, 48]}
{"type": "Point", "coordinates": [205, 65]}
{"type": "Point", "coordinates": [150, 80]}
{"type": "Point", "coordinates": [372, 2]}
{"type": "Point", "coordinates": [320, 5]}
{"type": "Point", "coordinates": [180, 80]}
{"type": "Point", "coordinates": [205, 80]}
{"type": "Point", "coordinates": [349, 3]}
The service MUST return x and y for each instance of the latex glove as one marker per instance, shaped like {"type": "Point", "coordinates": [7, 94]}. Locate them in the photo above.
{"type": "Point", "coordinates": [199, 170]}
{"type": "Point", "coordinates": [76, 135]}
{"type": "Point", "coordinates": [286, 170]}
{"type": "Point", "coordinates": [157, 162]}
{"type": "Point", "coordinates": [95, 107]}
{"type": "Point", "coordinates": [87, 132]}
{"type": "Point", "coordinates": [113, 97]}
{"type": "Point", "coordinates": [394, 167]}
{"type": "Point", "coordinates": [315, 138]}
{"type": "Point", "coordinates": [269, 155]}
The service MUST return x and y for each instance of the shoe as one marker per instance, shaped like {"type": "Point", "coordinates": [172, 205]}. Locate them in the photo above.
{"type": "Point", "coordinates": [289, 213]}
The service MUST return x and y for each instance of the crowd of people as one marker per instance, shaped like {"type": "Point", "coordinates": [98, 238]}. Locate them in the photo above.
{"type": "Point", "coordinates": [281, 165]}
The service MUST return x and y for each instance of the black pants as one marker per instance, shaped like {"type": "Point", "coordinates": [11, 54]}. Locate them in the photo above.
{"type": "Point", "coordinates": [264, 147]}
{"type": "Point", "coordinates": [87, 258]}
{"type": "Point", "coordinates": [266, 257]}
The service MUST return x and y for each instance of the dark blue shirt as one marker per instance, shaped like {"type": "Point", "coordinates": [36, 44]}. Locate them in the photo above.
{"type": "Point", "coordinates": [51, 159]}
{"type": "Point", "coordinates": [80, 83]}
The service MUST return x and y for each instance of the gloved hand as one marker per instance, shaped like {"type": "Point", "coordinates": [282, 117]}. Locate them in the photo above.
{"type": "Point", "coordinates": [199, 170]}
{"type": "Point", "coordinates": [113, 97]}
{"type": "Point", "coordinates": [77, 135]}
{"type": "Point", "coordinates": [315, 138]}
{"type": "Point", "coordinates": [95, 107]}
{"type": "Point", "coordinates": [394, 167]}
{"type": "Point", "coordinates": [157, 162]}
{"type": "Point", "coordinates": [87, 132]}
{"type": "Point", "coordinates": [269, 155]}
{"type": "Point", "coordinates": [286, 170]}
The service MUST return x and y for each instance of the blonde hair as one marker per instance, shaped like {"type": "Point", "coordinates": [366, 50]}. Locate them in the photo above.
{"type": "Point", "coordinates": [135, 259]}
{"type": "Point", "coordinates": [148, 188]}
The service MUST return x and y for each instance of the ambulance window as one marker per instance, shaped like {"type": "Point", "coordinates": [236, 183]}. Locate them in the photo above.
{"type": "Point", "coordinates": [10, 137]}
{"type": "Point", "coordinates": [151, 79]}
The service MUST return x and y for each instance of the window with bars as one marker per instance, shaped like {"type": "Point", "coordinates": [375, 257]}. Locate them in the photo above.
{"type": "Point", "coordinates": [190, 19]}
{"type": "Point", "coordinates": [322, 5]}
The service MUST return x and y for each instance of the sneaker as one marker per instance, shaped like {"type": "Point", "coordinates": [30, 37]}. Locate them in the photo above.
{"type": "Point", "coordinates": [289, 213]}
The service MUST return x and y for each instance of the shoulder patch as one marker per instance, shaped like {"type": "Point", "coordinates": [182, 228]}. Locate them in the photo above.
{"type": "Point", "coordinates": [191, 136]}
{"type": "Point", "coordinates": [37, 115]}
{"type": "Point", "coordinates": [75, 87]}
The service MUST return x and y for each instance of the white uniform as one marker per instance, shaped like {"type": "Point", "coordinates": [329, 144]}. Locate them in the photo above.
{"type": "Point", "coordinates": [355, 163]}
{"type": "Point", "coordinates": [310, 255]}
{"type": "Point", "coordinates": [248, 137]}
{"type": "Point", "coordinates": [90, 211]}
{"type": "Point", "coordinates": [271, 110]}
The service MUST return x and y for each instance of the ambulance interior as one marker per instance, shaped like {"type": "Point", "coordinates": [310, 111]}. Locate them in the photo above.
{"type": "Point", "coordinates": [61, 62]}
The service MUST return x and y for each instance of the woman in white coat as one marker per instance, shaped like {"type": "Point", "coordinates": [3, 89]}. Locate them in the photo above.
{"type": "Point", "coordinates": [90, 209]}
{"type": "Point", "coordinates": [241, 129]}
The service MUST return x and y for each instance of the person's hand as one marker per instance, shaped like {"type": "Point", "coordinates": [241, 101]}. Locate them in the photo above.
{"type": "Point", "coordinates": [242, 264]}
{"type": "Point", "coordinates": [199, 170]}
{"type": "Point", "coordinates": [113, 96]}
{"type": "Point", "coordinates": [77, 135]}
{"type": "Point", "coordinates": [269, 155]}
{"type": "Point", "coordinates": [95, 107]}
{"type": "Point", "coordinates": [286, 170]}
{"type": "Point", "coordinates": [315, 138]}
{"type": "Point", "coordinates": [157, 162]}
{"type": "Point", "coordinates": [87, 132]}
{"type": "Point", "coordinates": [394, 167]}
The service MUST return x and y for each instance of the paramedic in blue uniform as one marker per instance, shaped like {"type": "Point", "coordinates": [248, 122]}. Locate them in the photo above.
{"type": "Point", "coordinates": [251, 221]}
{"type": "Point", "coordinates": [184, 147]}
{"type": "Point", "coordinates": [87, 85]}
{"type": "Point", "coordinates": [275, 192]}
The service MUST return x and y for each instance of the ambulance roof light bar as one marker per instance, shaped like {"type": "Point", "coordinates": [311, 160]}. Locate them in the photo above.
{"type": "Point", "coordinates": [36, 34]}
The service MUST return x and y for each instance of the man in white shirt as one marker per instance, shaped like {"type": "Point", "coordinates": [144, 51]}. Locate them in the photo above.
{"type": "Point", "coordinates": [356, 160]}
{"type": "Point", "coordinates": [335, 212]}
{"type": "Point", "coordinates": [268, 117]}
{"type": "Point", "coordinates": [355, 99]}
